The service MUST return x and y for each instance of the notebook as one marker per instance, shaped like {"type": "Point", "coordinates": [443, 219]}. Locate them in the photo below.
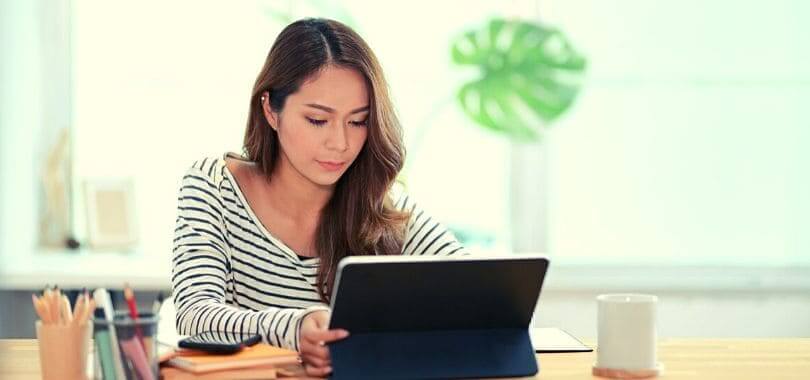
{"type": "Point", "coordinates": [254, 356]}
{"type": "Point", "coordinates": [168, 337]}
{"type": "Point", "coordinates": [171, 373]}
{"type": "Point", "coordinates": [552, 339]}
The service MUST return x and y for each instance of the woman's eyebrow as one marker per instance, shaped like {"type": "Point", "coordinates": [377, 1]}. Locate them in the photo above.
{"type": "Point", "coordinates": [332, 110]}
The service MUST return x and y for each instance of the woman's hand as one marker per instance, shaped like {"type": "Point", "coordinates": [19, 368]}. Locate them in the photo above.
{"type": "Point", "coordinates": [314, 337]}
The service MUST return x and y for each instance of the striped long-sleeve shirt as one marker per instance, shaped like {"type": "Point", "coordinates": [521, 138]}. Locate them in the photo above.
{"type": "Point", "coordinates": [230, 274]}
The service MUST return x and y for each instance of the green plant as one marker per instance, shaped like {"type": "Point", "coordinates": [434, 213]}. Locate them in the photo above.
{"type": "Point", "coordinates": [530, 75]}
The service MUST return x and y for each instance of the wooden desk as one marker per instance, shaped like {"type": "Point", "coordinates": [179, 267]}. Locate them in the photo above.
{"type": "Point", "coordinates": [682, 358]}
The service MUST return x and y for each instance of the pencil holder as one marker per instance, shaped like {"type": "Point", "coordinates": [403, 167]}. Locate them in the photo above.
{"type": "Point", "coordinates": [63, 350]}
{"type": "Point", "coordinates": [126, 347]}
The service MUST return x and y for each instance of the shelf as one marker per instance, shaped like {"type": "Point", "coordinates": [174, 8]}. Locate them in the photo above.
{"type": "Point", "coordinates": [92, 269]}
{"type": "Point", "coordinates": [85, 268]}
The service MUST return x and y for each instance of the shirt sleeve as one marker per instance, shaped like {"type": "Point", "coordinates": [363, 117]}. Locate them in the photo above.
{"type": "Point", "coordinates": [426, 235]}
{"type": "Point", "coordinates": [202, 281]}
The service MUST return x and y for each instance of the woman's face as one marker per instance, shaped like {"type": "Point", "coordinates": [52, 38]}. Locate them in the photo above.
{"type": "Point", "coordinates": [322, 126]}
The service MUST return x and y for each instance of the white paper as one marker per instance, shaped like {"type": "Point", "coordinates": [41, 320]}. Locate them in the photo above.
{"type": "Point", "coordinates": [552, 339]}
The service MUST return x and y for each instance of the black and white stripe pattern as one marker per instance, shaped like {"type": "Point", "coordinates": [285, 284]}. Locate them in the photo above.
{"type": "Point", "coordinates": [230, 274]}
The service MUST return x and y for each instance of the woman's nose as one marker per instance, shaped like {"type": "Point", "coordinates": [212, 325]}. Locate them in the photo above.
{"type": "Point", "coordinates": [337, 138]}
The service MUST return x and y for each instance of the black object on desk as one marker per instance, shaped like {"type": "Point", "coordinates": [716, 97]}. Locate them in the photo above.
{"type": "Point", "coordinates": [429, 318]}
{"type": "Point", "coordinates": [219, 342]}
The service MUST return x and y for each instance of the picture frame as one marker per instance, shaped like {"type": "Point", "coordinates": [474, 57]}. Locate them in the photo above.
{"type": "Point", "coordinates": [110, 213]}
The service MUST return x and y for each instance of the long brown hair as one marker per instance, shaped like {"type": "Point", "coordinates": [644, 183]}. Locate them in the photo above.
{"type": "Point", "coordinates": [360, 218]}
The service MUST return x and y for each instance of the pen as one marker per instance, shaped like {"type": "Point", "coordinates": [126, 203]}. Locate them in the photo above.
{"type": "Point", "coordinates": [102, 298]}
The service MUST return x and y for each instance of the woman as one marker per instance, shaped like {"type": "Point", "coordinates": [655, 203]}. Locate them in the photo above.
{"type": "Point", "coordinates": [259, 236]}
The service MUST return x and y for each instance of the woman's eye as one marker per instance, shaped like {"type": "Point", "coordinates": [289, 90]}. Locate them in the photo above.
{"type": "Point", "coordinates": [317, 122]}
{"type": "Point", "coordinates": [359, 123]}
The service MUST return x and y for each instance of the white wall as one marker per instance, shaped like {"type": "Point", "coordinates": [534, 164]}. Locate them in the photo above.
{"type": "Point", "coordinates": [691, 313]}
{"type": "Point", "coordinates": [21, 119]}
{"type": "Point", "coordinates": [693, 301]}
{"type": "Point", "coordinates": [689, 143]}
{"type": "Point", "coordinates": [153, 95]}
{"type": "Point", "coordinates": [121, 118]}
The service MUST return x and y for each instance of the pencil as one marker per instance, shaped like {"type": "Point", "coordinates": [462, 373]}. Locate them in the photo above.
{"type": "Point", "coordinates": [56, 303]}
{"type": "Point", "coordinates": [47, 297]}
{"type": "Point", "coordinates": [78, 308]}
{"type": "Point", "coordinates": [90, 309]}
{"type": "Point", "coordinates": [67, 315]}
{"type": "Point", "coordinates": [129, 295]}
{"type": "Point", "coordinates": [87, 306]}
{"type": "Point", "coordinates": [41, 312]}
{"type": "Point", "coordinates": [47, 317]}
{"type": "Point", "coordinates": [56, 307]}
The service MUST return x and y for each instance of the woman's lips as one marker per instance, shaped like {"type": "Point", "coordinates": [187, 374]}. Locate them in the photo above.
{"type": "Point", "coordinates": [331, 165]}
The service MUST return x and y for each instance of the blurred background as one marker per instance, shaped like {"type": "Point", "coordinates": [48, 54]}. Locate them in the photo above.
{"type": "Point", "coordinates": [644, 146]}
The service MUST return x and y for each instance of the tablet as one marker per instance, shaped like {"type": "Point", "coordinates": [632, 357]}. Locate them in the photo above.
{"type": "Point", "coordinates": [435, 313]}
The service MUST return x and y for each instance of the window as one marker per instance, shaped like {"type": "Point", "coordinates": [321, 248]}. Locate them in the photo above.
{"type": "Point", "coordinates": [688, 144]}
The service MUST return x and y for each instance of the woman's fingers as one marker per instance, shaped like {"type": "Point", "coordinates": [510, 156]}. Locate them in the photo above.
{"type": "Point", "coordinates": [314, 337]}
{"type": "Point", "coordinates": [316, 364]}
{"type": "Point", "coordinates": [315, 350]}
{"type": "Point", "coordinates": [326, 336]}
{"type": "Point", "coordinates": [317, 371]}
{"type": "Point", "coordinates": [314, 342]}
{"type": "Point", "coordinates": [317, 361]}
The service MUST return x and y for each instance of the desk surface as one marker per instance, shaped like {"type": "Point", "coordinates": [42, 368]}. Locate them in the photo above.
{"type": "Point", "coordinates": [682, 358]}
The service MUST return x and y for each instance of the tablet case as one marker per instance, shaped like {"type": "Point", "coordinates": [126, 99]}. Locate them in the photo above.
{"type": "Point", "coordinates": [436, 319]}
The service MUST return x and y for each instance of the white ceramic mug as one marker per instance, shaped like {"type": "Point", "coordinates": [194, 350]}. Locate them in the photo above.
{"type": "Point", "coordinates": [626, 335]}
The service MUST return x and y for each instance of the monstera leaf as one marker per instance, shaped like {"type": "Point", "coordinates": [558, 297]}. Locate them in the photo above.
{"type": "Point", "coordinates": [530, 75]}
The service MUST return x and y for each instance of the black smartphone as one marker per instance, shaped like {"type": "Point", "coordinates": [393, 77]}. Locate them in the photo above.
{"type": "Point", "coordinates": [219, 342]}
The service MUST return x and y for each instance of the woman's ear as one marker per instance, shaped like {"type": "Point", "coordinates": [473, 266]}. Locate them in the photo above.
{"type": "Point", "coordinates": [270, 115]}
